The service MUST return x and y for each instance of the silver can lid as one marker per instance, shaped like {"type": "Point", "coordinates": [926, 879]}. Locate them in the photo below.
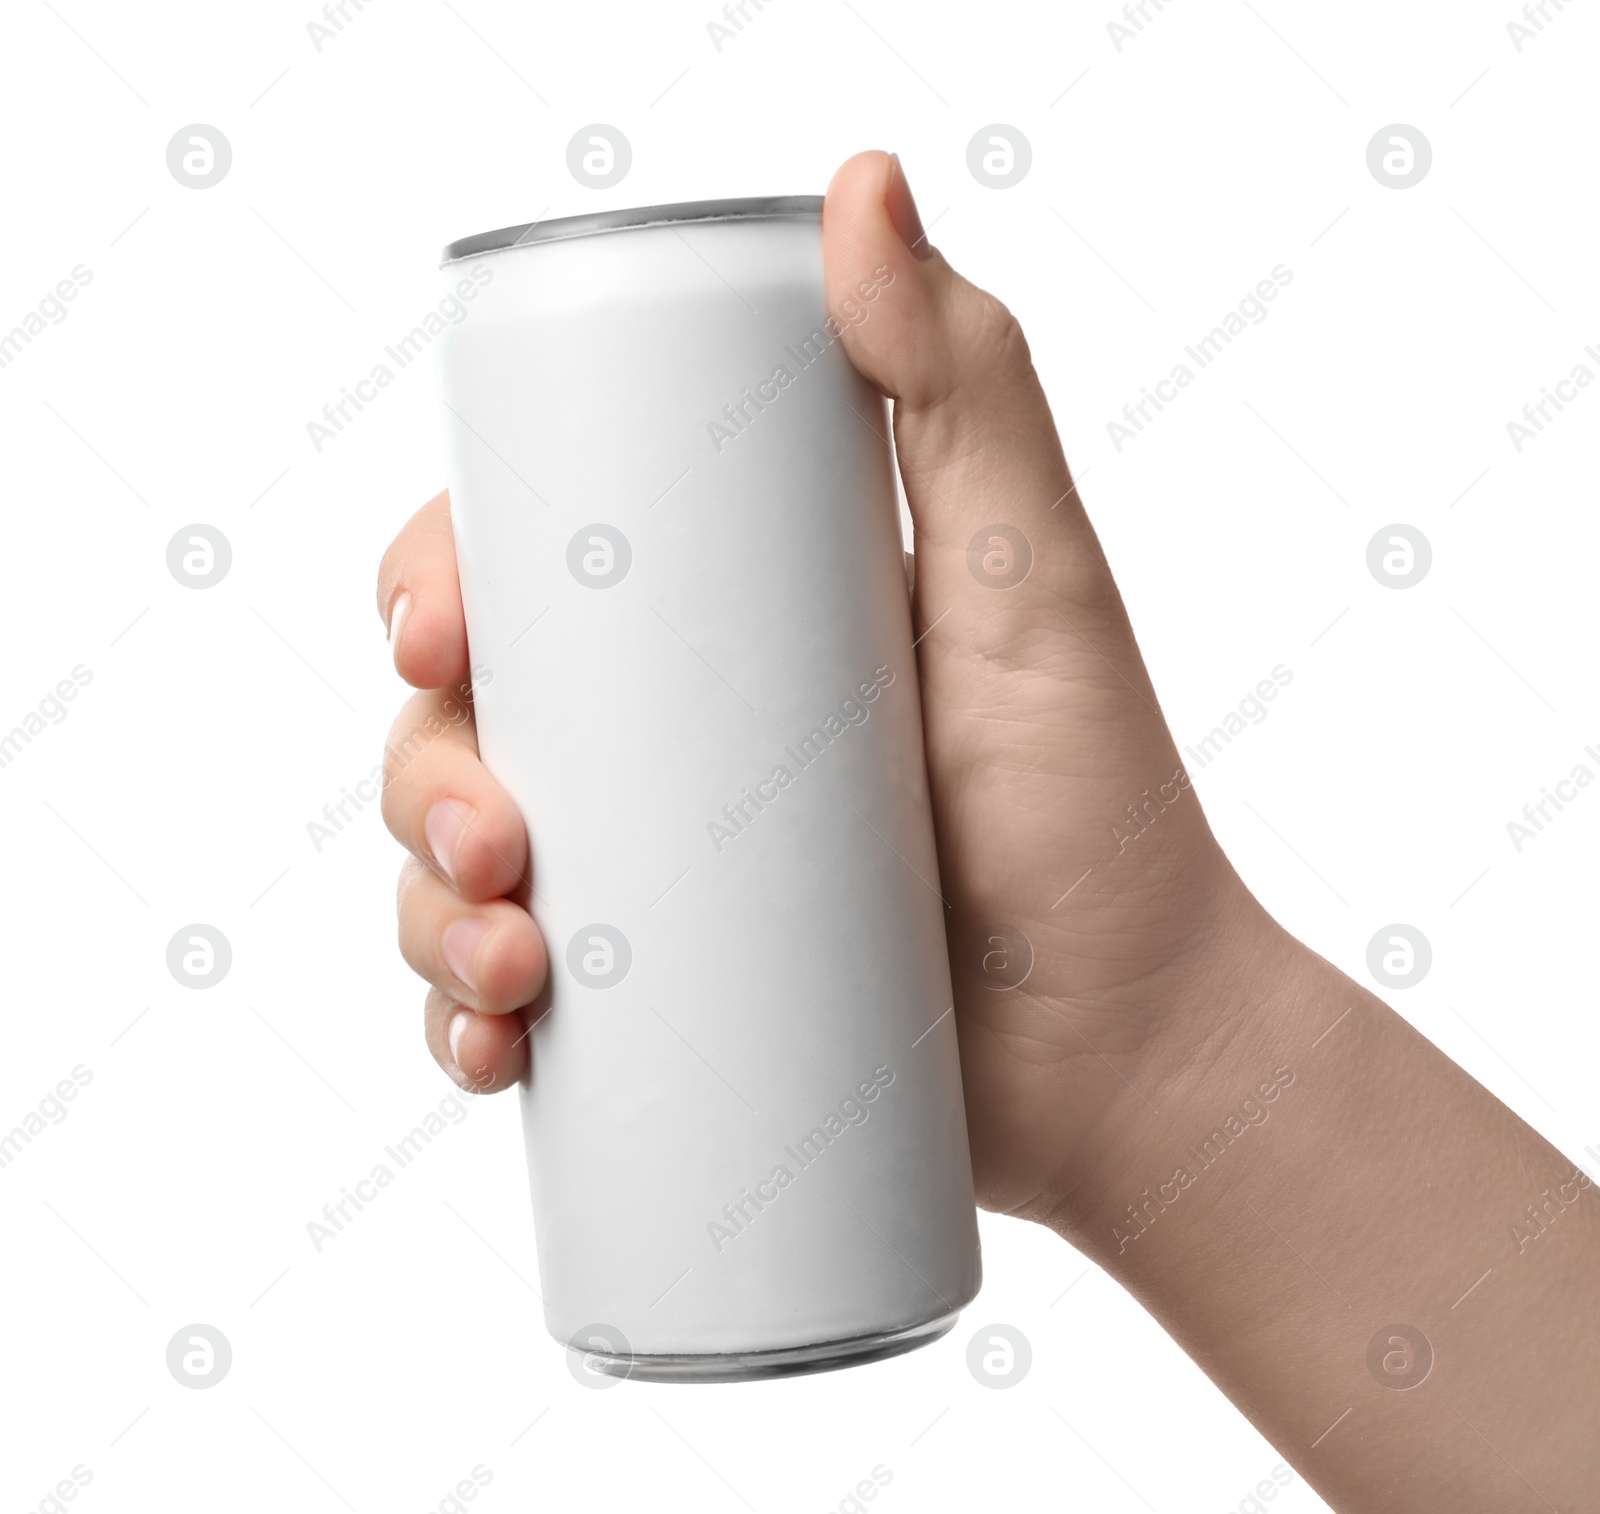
{"type": "Point", "coordinates": [772, 207]}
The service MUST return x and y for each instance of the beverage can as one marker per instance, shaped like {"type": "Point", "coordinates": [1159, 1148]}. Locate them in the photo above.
{"type": "Point", "coordinates": [682, 572]}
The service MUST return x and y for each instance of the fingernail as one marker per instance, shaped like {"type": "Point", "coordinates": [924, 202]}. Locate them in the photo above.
{"type": "Point", "coordinates": [443, 826]}
{"type": "Point", "coordinates": [902, 210]}
{"type": "Point", "coordinates": [458, 1023]}
{"type": "Point", "coordinates": [459, 947]}
{"type": "Point", "coordinates": [397, 623]}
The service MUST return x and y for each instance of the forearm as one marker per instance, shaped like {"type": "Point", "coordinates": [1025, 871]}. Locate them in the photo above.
{"type": "Point", "coordinates": [1311, 1173]}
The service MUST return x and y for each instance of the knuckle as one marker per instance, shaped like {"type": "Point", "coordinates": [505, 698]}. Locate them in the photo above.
{"type": "Point", "coordinates": [412, 754]}
{"type": "Point", "coordinates": [388, 573]}
{"type": "Point", "coordinates": [409, 897]}
{"type": "Point", "coordinates": [998, 333]}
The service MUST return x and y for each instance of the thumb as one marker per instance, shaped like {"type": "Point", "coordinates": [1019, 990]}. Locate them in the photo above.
{"type": "Point", "coordinates": [873, 238]}
{"type": "Point", "coordinates": [1001, 536]}
{"type": "Point", "coordinates": [1057, 792]}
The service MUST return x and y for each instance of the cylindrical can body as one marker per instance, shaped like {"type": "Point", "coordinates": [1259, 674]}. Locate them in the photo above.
{"type": "Point", "coordinates": [685, 598]}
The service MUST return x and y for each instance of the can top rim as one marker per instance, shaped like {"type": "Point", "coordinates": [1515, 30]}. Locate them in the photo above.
{"type": "Point", "coordinates": [770, 207]}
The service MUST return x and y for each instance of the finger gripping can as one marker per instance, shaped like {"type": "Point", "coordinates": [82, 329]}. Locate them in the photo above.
{"type": "Point", "coordinates": [681, 568]}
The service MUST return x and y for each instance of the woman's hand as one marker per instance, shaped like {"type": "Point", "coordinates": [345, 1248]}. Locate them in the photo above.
{"type": "Point", "coordinates": [1295, 1241]}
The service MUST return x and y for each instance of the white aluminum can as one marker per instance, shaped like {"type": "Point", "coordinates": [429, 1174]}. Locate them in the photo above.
{"type": "Point", "coordinates": [685, 598]}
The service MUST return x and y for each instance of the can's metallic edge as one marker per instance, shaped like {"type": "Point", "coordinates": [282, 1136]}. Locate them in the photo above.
{"type": "Point", "coordinates": [770, 207]}
{"type": "Point", "coordinates": [752, 1366]}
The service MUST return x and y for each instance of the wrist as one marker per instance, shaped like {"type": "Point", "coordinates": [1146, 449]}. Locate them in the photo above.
{"type": "Point", "coordinates": [1222, 1042]}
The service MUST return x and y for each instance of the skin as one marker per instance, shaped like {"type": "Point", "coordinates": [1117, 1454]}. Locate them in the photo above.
{"type": "Point", "coordinates": [1367, 1190]}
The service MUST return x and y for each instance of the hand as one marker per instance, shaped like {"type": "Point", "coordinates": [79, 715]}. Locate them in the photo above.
{"type": "Point", "coordinates": [1161, 1000]}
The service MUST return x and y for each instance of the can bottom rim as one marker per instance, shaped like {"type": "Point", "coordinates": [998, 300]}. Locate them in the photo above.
{"type": "Point", "coordinates": [752, 1366]}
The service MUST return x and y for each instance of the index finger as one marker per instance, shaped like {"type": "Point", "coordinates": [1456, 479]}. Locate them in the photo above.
{"type": "Point", "coordinates": [419, 598]}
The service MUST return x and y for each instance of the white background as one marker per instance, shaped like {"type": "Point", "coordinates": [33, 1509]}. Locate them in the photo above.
{"type": "Point", "coordinates": [1167, 179]}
